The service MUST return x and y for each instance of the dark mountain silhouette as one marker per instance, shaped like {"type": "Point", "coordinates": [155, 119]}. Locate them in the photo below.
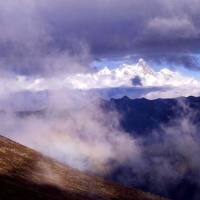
{"type": "Point", "coordinates": [141, 116]}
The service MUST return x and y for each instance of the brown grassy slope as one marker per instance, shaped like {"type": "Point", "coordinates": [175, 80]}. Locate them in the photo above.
{"type": "Point", "coordinates": [27, 174]}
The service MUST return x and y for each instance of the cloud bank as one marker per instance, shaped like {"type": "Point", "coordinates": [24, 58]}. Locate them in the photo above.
{"type": "Point", "coordinates": [84, 139]}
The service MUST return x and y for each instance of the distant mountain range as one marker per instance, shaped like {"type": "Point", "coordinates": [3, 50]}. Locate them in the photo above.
{"type": "Point", "coordinates": [141, 116]}
{"type": "Point", "coordinates": [139, 75]}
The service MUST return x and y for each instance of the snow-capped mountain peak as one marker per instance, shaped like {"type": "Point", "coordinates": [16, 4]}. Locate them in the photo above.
{"type": "Point", "coordinates": [136, 75]}
{"type": "Point", "coordinates": [142, 62]}
{"type": "Point", "coordinates": [145, 68]}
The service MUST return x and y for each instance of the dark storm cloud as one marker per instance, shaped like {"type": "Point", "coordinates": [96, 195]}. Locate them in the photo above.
{"type": "Point", "coordinates": [35, 33]}
{"type": "Point", "coordinates": [190, 62]}
{"type": "Point", "coordinates": [114, 26]}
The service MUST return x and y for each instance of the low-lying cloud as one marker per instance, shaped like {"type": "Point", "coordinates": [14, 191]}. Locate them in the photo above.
{"type": "Point", "coordinates": [92, 140]}
{"type": "Point", "coordinates": [169, 165]}
{"type": "Point", "coordinates": [87, 139]}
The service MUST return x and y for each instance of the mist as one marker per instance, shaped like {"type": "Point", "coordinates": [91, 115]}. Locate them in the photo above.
{"type": "Point", "coordinates": [87, 139]}
{"type": "Point", "coordinates": [91, 139]}
{"type": "Point", "coordinates": [169, 163]}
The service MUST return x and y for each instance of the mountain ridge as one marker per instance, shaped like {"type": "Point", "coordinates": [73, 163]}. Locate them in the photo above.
{"type": "Point", "coordinates": [124, 74]}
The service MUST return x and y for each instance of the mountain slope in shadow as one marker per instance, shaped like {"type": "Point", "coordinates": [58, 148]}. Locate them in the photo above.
{"type": "Point", "coordinates": [27, 174]}
{"type": "Point", "coordinates": [141, 116]}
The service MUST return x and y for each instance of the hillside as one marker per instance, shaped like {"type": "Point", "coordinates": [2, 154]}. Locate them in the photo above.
{"type": "Point", "coordinates": [27, 174]}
